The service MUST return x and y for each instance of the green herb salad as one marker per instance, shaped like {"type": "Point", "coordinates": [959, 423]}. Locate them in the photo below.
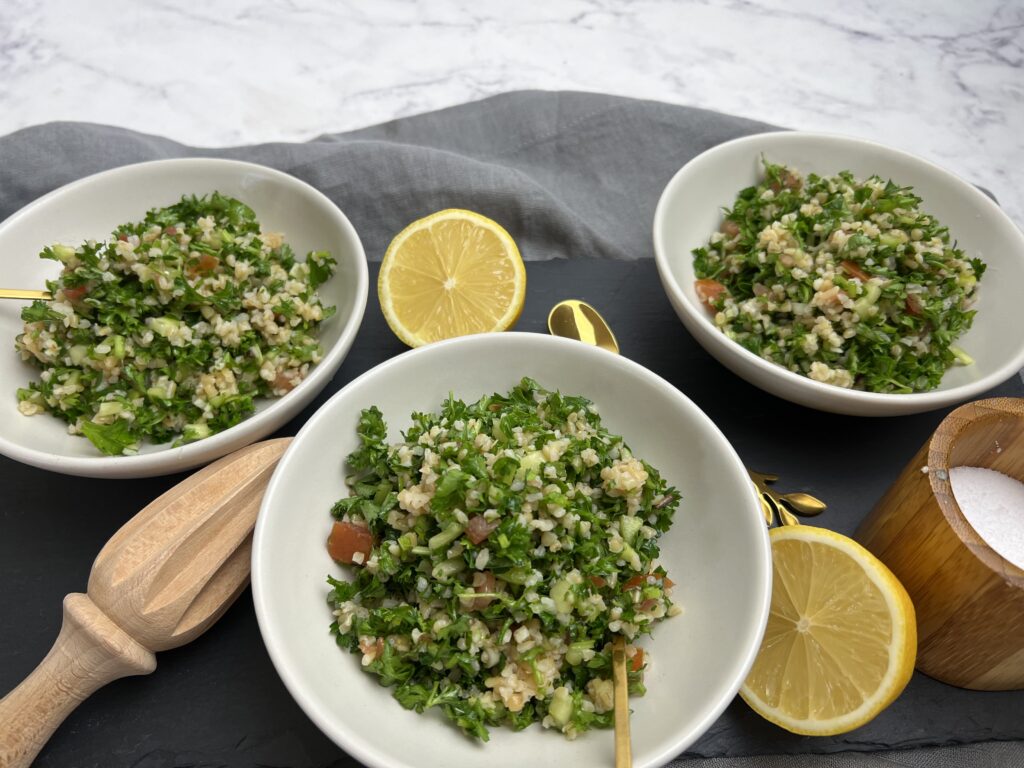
{"type": "Point", "coordinates": [174, 327]}
{"type": "Point", "coordinates": [846, 281]}
{"type": "Point", "coordinates": [498, 547]}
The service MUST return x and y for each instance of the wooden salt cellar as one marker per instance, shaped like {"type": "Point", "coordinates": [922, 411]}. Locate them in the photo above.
{"type": "Point", "coordinates": [969, 599]}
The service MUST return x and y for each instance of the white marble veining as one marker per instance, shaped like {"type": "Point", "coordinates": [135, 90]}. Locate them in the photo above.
{"type": "Point", "coordinates": [944, 79]}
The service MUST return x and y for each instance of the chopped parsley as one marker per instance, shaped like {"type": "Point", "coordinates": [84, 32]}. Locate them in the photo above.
{"type": "Point", "coordinates": [505, 542]}
{"type": "Point", "coordinates": [173, 328]}
{"type": "Point", "coordinates": [843, 280]}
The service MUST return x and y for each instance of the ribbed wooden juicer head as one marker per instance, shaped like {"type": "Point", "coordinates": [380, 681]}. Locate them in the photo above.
{"type": "Point", "coordinates": [172, 570]}
{"type": "Point", "coordinates": [969, 599]}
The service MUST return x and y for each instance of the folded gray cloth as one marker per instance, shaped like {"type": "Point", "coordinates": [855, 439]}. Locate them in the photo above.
{"type": "Point", "coordinates": [569, 175]}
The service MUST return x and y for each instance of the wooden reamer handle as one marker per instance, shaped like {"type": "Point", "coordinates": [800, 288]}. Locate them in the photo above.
{"type": "Point", "coordinates": [90, 651]}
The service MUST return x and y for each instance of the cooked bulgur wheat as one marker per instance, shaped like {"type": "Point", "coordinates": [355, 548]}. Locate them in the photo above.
{"type": "Point", "coordinates": [842, 280]}
{"type": "Point", "coordinates": [174, 327]}
{"type": "Point", "coordinates": [511, 538]}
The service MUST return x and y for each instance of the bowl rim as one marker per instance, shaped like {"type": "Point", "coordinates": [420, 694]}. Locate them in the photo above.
{"type": "Point", "coordinates": [958, 424]}
{"type": "Point", "coordinates": [363, 750]}
{"type": "Point", "coordinates": [849, 399]}
{"type": "Point", "coordinates": [169, 460]}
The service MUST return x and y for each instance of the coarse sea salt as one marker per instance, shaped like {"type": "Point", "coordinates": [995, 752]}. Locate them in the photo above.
{"type": "Point", "coordinates": [993, 504]}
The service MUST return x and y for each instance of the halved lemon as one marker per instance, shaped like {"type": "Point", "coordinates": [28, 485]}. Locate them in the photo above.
{"type": "Point", "coordinates": [451, 274]}
{"type": "Point", "coordinates": [841, 638]}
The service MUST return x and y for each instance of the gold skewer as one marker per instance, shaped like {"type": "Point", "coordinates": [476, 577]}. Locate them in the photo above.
{"type": "Point", "coordinates": [24, 294]}
{"type": "Point", "coordinates": [623, 749]}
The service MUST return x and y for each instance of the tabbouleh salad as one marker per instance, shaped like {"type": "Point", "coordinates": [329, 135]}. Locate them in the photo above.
{"type": "Point", "coordinates": [498, 547]}
{"type": "Point", "coordinates": [846, 281]}
{"type": "Point", "coordinates": [174, 327]}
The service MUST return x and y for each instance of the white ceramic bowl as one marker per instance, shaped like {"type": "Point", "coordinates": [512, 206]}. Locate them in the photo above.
{"type": "Point", "coordinates": [690, 209]}
{"type": "Point", "coordinates": [717, 552]}
{"type": "Point", "coordinates": [91, 208]}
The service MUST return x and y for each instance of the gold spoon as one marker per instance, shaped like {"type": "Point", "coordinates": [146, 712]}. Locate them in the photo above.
{"type": "Point", "coordinates": [24, 294]}
{"type": "Point", "coordinates": [163, 579]}
{"type": "Point", "coordinates": [575, 319]}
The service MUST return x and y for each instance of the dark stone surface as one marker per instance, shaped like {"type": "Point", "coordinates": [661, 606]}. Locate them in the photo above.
{"type": "Point", "coordinates": [218, 701]}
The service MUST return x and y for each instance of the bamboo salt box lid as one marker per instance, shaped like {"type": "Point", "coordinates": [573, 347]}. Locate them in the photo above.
{"type": "Point", "coordinates": [969, 599]}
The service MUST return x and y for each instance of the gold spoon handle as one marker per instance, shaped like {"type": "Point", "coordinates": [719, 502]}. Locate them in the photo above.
{"type": "Point", "coordinates": [787, 504]}
{"type": "Point", "coordinates": [803, 504]}
{"type": "Point", "coordinates": [22, 293]}
{"type": "Point", "coordinates": [623, 750]}
{"type": "Point", "coordinates": [787, 517]}
{"type": "Point", "coordinates": [772, 508]}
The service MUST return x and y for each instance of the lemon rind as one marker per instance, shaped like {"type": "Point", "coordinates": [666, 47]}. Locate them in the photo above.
{"type": "Point", "coordinates": [515, 308]}
{"type": "Point", "coordinates": [902, 649]}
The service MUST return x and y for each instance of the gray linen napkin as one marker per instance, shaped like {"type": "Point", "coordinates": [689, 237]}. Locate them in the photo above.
{"type": "Point", "coordinates": [569, 175]}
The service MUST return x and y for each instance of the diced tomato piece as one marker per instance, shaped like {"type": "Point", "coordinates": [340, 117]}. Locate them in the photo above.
{"type": "Point", "coordinates": [854, 270]}
{"type": "Point", "coordinates": [914, 305]}
{"type": "Point", "coordinates": [666, 581]}
{"type": "Point", "coordinates": [729, 228]}
{"type": "Point", "coordinates": [170, 231]}
{"type": "Point", "coordinates": [708, 291]}
{"type": "Point", "coordinates": [598, 581]}
{"type": "Point", "coordinates": [648, 604]}
{"type": "Point", "coordinates": [637, 581]}
{"type": "Point", "coordinates": [478, 529]}
{"type": "Point", "coordinates": [123, 237]}
{"type": "Point", "coordinates": [207, 262]}
{"type": "Point", "coordinates": [76, 293]}
{"type": "Point", "coordinates": [283, 382]}
{"type": "Point", "coordinates": [638, 660]}
{"type": "Point", "coordinates": [347, 540]}
{"type": "Point", "coordinates": [789, 180]}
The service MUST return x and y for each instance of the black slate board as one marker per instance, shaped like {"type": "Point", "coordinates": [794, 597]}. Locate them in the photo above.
{"type": "Point", "coordinates": [218, 701]}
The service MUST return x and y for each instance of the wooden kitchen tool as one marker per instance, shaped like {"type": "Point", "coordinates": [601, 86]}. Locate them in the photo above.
{"type": "Point", "coordinates": [163, 579]}
{"type": "Point", "coordinates": [969, 599]}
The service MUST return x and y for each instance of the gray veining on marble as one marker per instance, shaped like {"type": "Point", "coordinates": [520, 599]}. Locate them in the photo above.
{"type": "Point", "coordinates": [944, 79]}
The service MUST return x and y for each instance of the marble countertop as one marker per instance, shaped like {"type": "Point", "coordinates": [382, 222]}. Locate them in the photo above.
{"type": "Point", "coordinates": [944, 80]}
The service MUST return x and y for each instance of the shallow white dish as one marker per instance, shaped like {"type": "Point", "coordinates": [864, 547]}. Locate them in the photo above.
{"type": "Point", "coordinates": [717, 552]}
{"type": "Point", "coordinates": [91, 208]}
{"type": "Point", "coordinates": [690, 209]}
